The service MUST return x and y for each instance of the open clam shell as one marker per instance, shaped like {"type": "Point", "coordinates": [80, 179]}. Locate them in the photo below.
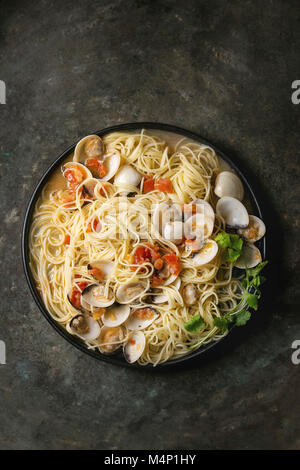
{"type": "Point", "coordinates": [141, 317]}
{"type": "Point", "coordinates": [134, 347]}
{"type": "Point", "coordinates": [174, 231]}
{"type": "Point", "coordinates": [233, 212]}
{"type": "Point", "coordinates": [94, 295]}
{"type": "Point", "coordinates": [250, 257]}
{"type": "Point", "coordinates": [110, 339]}
{"type": "Point", "coordinates": [85, 327]}
{"type": "Point", "coordinates": [115, 315]}
{"type": "Point", "coordinates": [199, 226]}
{"type": "Point", "coordinates": [127, 293]}
{"type": "Point", "coordinates": [164, 213]}
{"type": "Point", "coordinates": [207, 253]}
{"type": "Point", "coordinates": [111, 163]}
{"type": "Point", "coordinates": [90, 146]}
{"type": "Point", "coordinates": [255, 230]}
{"type": "Point", "coordinates": [79, 171]}
{"type": "Point", "coordinates": [229, 184]}
{"type": "Point", "coordinates": [106, 267]}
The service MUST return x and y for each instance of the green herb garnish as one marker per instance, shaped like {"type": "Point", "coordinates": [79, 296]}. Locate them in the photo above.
{"type": "Point", "coordinates": [194, 324]}
{"type": "Point", "coordinates": [250, 282]}
{"type": "Point", "coordinates": [232, 245]}
{"type": "Point", "coordinates": [238, 314]}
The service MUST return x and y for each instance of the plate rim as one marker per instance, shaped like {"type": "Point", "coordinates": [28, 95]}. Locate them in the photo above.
{"type": "Point", "coordinates": [117, 359]}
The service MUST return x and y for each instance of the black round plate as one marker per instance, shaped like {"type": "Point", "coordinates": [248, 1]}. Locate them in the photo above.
{"type": "Point", "coordinates": [118, 358]}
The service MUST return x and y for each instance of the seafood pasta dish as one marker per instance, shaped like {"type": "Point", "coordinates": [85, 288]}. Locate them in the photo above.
{"type": "Point", "coordinates": [145, 246]}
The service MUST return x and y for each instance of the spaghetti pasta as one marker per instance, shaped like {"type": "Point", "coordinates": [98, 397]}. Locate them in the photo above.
{"type": "Point", "coordinates": [67, 235]}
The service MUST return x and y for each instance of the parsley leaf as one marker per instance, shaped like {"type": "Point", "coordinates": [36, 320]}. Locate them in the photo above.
{"type": "Point", "coordinates": [231, 255]}
{"type": "Point", "coordinates": [223, 240]}
{"type": "Point", "coordinates": [195, 324]}
{"type": "Point", "coordinates": [236, 242]}
{"type": "Point", "coordinates": [232, 245]}
{"type": "Point", "coordinates": [254, 272]}
{"type": "Point", "coordinates": [251, 299]}
{"type": "Point", "coordinates": [222, 323]}
{"type": "Point", "coordinates": [242, 317]}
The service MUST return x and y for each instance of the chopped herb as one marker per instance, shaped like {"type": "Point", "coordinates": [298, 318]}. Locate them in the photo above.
{"type": "Point", "coordinates": [222, 323]}
{"type": "Point", "coordinates": [242, 317]}
{"type": "Point", "coordinates": [195, 324]}
{"type": "Point", "coordinates": [251, 300]}
{"type": "Point", "coordinates": [232, 245]}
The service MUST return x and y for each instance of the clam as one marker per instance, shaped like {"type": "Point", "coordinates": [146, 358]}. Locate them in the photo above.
{"type": "Point", "coordinates": [206, 254]}
{"type": "Point", "coordinates": [89, 187]}
{"type": "Point", "coordinates": [111, 164]}
{"type": "Point", "coordinates": [127, 175]}
{"type": "Point", "coordinates": [161, 298]}
{"type": "Point", "coordinates": [75, 173]}
{"type": "Point", "coordinates": [85, 327]}
{"type": "Point", "coordinates": [134, 347]}
{"type": "Point", "coordinates": [115, 315]}
{"type": "Point", "coordinates": [94, 295]}
{"type": "Point", "coordinates": [164, 213]}
{"type": "Point", "coordinates": [69, 297]}
{"type": "Point", "coordinates": [229, 184]}
{"type": "Point", "coordinates": [173, 231]}
{"type": "Point", "coordinates": [127, 293]}
{"type": "Point", "coordinates": [189, 294]}
{"type": "Point", "coordinates": [199, 226]}
{"type": "Point", "coordinates": [105, 267]}
{"type": "Point", "coordinates": [249, 258]}
{"type": "Point", "coordinates": [166, 275]}
{"type": "Point", "coordinates": [90, 146]}
{"type": "Point", "coordinates": [233, 212]}
{"type": "Point", "coordinates": [198, 206]}
{"type": "Point", "coordinates": [110, 338]}
{"type": "Point", "coordinates": [63, 197]}
{"type": "Point", "coordinates": [255, 230]}
{"type": "Point", "coordinates": [141, 318]}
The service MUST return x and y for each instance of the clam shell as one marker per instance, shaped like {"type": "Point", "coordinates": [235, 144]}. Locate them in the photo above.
{"type": "Point", "coordinates": [255, 230]}
{"type": "Point", "coordinates": [127, 293]}
{"type": "Point", "coordinates": [199, 226]}
{"type": "Point", "coordinates": [173, 231]}
{"type": "Point", "coordinates": [83, 169]}
{"type": "Point", "coordinates": [250, 257]}
{"type": "Point", "coordinates": [115, 315]}
{"type": "Point", "coordinates": [140, 318]}
{"type": "Point", "coordinates": [202, 207]}
{"type": "Point", "coordinates": [134, 347]}
{"type": "Point", "coordinates": [110, 339]}
{"type": "Point", "coordinates": [233, 212]}
{"type": "Point", "coordinates": [94, 329]}
{"type": "Point", "coordinates": [166, 212]}
{"type": "Point", "coordinates": [127, 175]}
{"type": "Point", "coordinates": [90, 146]}
{"type": "Point", "coordinates": [111, 163]}
{"type": "Point", "coordinates": [206, 254]}
{"type": "Point", "coordinates": [106, 267]}
{"type": "Point", "coordinates": [93, 295]}
{"type": "Point", "coordinates": [229, 184]}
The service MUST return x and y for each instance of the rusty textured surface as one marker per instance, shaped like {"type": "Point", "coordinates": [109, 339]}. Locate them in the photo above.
{"type": "Point", "coordinates": [223, 69]}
